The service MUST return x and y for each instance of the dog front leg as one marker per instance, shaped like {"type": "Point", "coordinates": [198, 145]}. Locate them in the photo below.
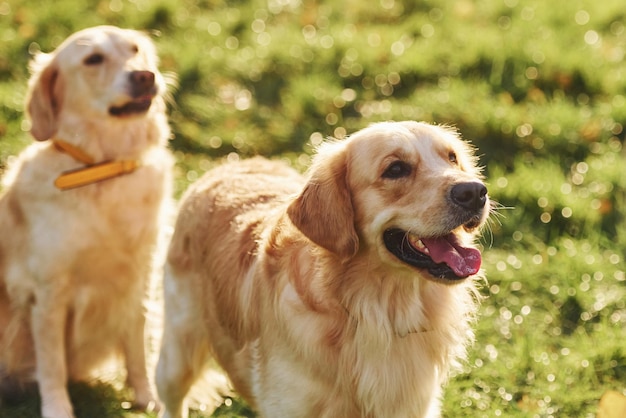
{"type": "Point", "coordinates": [48, 323]}
{"type": "Point", "coordinates": [135, 359]}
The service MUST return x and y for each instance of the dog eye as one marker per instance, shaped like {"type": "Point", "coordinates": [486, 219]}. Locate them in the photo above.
{"type": "Point", "coordinates": [397, 169]}
{"type": "Point", "coordinates": [452, 157]}
{"type": "Point", "coordinates": [134, 49]}
{"type": "Point", "coordinates": [94, 59]}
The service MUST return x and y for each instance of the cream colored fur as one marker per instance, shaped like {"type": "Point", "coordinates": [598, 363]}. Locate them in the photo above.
{"type": "Point", "coordinates": [75, 265]}
{"type": "Point", "coordinates": [287, 283]}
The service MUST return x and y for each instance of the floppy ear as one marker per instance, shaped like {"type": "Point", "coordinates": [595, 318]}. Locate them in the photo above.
{"type": "Point", "coordinates": [323, 212]}
{"type": "Point", "coordinates": [44, 102]}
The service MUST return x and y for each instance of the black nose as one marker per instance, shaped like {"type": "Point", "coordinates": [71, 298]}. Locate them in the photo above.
{"type": "Point", "coordinates": [472, 195]}
{"type": "Point", "coordinates": [142, 82]}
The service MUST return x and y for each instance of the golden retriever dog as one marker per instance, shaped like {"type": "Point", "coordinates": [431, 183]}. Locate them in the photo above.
{"type": "Point", "coordinates": [79, 216]}
{"type": "Point", "coordinates": [350, 294]}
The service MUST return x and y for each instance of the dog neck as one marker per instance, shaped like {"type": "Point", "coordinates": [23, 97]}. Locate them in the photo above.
{"type": "Point", "coordinates": [397, 333]}
{"type": "Point", "coordinates": [92, 172]}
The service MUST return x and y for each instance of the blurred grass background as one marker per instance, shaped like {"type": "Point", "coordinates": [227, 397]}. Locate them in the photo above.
{"type": "Point", "coordinates": [539, 87]}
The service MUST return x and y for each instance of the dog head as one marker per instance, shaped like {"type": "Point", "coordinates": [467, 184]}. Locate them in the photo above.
{"type": "Point", "coordinates": [100, 72]}
{"type": "Point", "coordinates": [410, 192]}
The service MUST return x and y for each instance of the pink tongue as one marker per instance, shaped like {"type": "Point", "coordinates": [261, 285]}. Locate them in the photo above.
{"type": "Point", "coordinates": [463, 261]}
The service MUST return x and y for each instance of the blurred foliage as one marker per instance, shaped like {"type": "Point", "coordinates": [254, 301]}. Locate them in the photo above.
{"type": "Point", "coordinates": [539, 87]}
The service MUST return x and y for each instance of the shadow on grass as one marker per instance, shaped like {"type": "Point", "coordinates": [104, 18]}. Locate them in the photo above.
{"type": "Point", "coordinates": [231, 408]}
{"type": "Point", "coordinates": [96, 400]}
{"type": "Point", "coordinates": [102, 400]}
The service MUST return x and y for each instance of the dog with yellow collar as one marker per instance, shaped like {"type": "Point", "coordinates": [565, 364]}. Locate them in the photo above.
{"type": "Point", "coordinates": [80, 211]}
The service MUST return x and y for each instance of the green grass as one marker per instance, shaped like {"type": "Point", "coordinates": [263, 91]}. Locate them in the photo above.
{"type": "Point", "coordinates": [539, 87]}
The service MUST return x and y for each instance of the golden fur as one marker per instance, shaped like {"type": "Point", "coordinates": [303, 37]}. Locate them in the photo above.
{"type": "Point", "coordinates": [288, 284]}
{"type": "Point", "coordinates": [75, 265]}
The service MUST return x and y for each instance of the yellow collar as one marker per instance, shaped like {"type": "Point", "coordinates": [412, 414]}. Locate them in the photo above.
{"type": "Point", "coordinates": [92, 172]}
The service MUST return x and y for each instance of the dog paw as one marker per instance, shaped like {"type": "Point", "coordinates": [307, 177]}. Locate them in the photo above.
{"type": "Point", "coordinates": [148, 404]}
{"type": "Point", "coordinates": [57, 410]}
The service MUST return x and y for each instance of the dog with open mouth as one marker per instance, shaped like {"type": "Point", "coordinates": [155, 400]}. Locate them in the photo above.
{"type": "Point", "coordinates": [80, 215]}
{"type": "Point", "coordinates": [347, 293]}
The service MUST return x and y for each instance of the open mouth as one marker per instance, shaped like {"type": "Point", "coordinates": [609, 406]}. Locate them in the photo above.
{"type": "Point", "coordinates": [443, 257]}
{"type": "Point", "coordinates": [136, 106]}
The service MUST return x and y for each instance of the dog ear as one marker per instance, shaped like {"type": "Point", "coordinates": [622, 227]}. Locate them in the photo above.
{"type": "Point", "coordinates": [44, 100]}
{"type": "Point", "coordinates": [323, 212]}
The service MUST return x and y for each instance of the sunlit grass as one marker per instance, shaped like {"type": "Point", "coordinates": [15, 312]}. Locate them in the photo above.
{"type": "Point", "coordinates": [537, 86]}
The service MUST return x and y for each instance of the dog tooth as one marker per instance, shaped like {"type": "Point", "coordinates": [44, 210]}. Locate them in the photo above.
{"type": "Point", "coordinates": [418, 244]}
